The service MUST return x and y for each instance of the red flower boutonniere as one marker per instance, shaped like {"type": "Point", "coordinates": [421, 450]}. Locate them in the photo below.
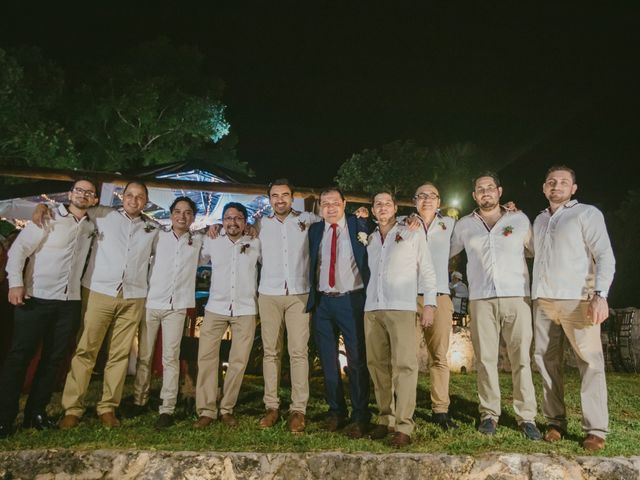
{"type": "Point", "coordinates": [302, 225]}
{"type": "Point", "coordinates": [244, 248]}
{"type": "Point", "coordinates": [508, 230]}
{"type": "Point", "coordinates": [442, 225]}
{"type": "Point", "coordinates": [399, 238]}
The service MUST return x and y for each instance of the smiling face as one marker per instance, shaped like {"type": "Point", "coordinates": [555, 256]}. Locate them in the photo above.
{"type": "Point", "coordinates": [427, 199]}
{"type": "Point", "coordinates": [134, 199]}
{"type": "Point", "coordinates": [182, 217]}
{"type": "Point", "coordinates": [332, 206]}
{"type": "Point", "coordinates": [83, 195]}
{"type": "Point", "coordinates": [486, 193]}
{"type": "Point", "coordinates": [234, 223]}
{"type": "Point", "coordinates": [281, 200]}
{"type": "Point", "coordinates": [384, 208]}
{"type": "Point", "coordinates": [559, 187]}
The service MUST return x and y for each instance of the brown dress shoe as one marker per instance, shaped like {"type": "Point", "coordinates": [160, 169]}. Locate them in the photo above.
{"type": "Point", "coordinates": [296, 422]}
{"type": "Point", "coordinates": [229, 420]}
{"type": "Point", "coordinates": [380, 431]}
{"type": "Point", "coordinates": [270, 418]}
{"type": "Point", "coordinates": [68, 422]}
{"type": "Point", "coordinates": [593, 443]}
{"type": "Point", "coordinates": [400, 440]}
{"type": "Point", "coordinates": [203, 422]}
{"type": "Point", "coordinates": [335, 422]}
{"type": "Point", "coordinates": [109, 420]}
{"type": "Point", "coordinates": [553, 434]}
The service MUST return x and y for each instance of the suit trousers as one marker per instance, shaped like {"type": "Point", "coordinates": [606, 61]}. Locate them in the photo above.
{"type": "Point", "coordinates": [511, 318]}
{"type": "Point", "coordinates": [54, 324]}
{"type": "Point", "coordinates": [105, 315]}
{"type": "Point", "coordinates": [172, 323]}
{"type": "Point", "coordinates": [212, 330]}
{"type": "Point", "coordinates": [278, 312]}
{"type": "Point", "coordinates": [332, 316]}
{"type": "Point", "coordinates": [437, 338]}
{"type": "Point", "coordinates": [392, 358]}
{"type": "Point", "coordinates": [555, 321]}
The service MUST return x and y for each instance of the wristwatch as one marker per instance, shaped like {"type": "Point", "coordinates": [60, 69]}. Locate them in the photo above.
{"type": "Point", "coordinates": [600, 294]}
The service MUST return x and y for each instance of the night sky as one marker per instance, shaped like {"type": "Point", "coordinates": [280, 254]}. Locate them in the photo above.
{"type": "Point", "coordinates": [310, 83]}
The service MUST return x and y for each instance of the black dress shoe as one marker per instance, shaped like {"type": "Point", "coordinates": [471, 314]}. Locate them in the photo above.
{"type": "Point", "coordinates": [6, 430]}
{"type": "Point", "coordinates": [443, 421]}
{"type": "Point", "coordinates": [133, 410]}
{"type": "Point", "coordinates": [39, 422]}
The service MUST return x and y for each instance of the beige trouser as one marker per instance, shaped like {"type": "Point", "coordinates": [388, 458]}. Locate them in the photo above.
{"type": "Point", "coordinates": [172, 323]}
{"type": "Point", "coordinates": [103, 312]}
{"type": "Point", "coordinates": [392, 358]}
{"type": "Point", "coordinates": [211, 332]}
{"type": "Point", "coordinates": [278, 312]}
{"type": "Point", "coordinates": [511, 318]}
{"type": "Point", "coordinates": [437, 339]}
{"type": "Point", "coordinates": [556, 320]}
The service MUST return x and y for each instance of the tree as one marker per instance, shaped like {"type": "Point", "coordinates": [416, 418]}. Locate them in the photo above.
{"type": "Point", "coordinates": [624, 226]}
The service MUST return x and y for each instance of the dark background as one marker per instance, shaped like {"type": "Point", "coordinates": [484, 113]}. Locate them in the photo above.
{"type": "Point", "coordinates": [310, 83]}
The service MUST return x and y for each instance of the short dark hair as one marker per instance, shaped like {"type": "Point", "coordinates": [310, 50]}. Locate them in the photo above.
{"type": "Point", "coordinates": [137, 182]}
{"type": "Point", "coordinates": [330, 189]}
{"type": "Point", "coordinates": [238, 206]}
{"type": "Point", "coordinates": [281, 182]}
{"type": "Point", "coordinates": [191, 203]}
{"type": "Point", "coordinates": [488, 173]}
{"type": "Point", "coordinates": [86, 179]}
{"type": "Point", "coordinates": [555, 168]}
{"type": "Point", "coordinates": [388, 192]}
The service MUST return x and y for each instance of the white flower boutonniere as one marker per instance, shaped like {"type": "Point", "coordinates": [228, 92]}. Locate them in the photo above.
{"type": "Point", "coordinates": [149, 227]}
{"type": "Point", "coordinates": [244, 248]}
{"type": "Point", "coordinates": [363, 238]}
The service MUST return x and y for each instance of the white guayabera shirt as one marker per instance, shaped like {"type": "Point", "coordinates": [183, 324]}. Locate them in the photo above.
{"type": "Point", "coordinates": [234, 275]}
{"type": "Point", "coordinates": [57, 255]}
{"type": "Point", "coordinates": [496, 265]}
{"type": "Point", "coordinates": [573, 253]}
{"type": "Point", "coordinates": [119, 259]}
{"type": "Point", "coordinates": [439, 242]}
{"type": "Point", "coordinates": [285, 253]}
{"type": "Point", "coordinates": [397, 267]}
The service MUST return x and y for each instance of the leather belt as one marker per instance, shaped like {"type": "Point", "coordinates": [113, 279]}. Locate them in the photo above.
{"type": "Point", "coordinates": [340, 294]}
{"type": "Point", "coordinates": [437, 294]}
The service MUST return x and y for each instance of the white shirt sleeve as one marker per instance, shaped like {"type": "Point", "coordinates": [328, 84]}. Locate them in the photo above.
{"type": "Point", "coordinates": [22, 248]}
{"type": "Point", "coordinates": [596, 238]}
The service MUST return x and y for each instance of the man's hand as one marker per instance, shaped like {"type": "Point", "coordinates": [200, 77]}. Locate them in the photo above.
{"type": "Point", "coordinates": [511, 206]}
{"type": "Point", "coordinates": [41, 215]}
{"type": "Point", "coordinates": [598, 310]}
{"type": "Point", "coordinates": [428, 314]}
{"type": "Point", "coordinates": [251, 230]}
{"type": "Point", "coordinates": [214, 230]}
{"type": "Point", "coordinates": [17, 296]}
{"type": "Point", "coordinates": [413, 222]}
{"type": "Point", "coordinates": [362, 212]}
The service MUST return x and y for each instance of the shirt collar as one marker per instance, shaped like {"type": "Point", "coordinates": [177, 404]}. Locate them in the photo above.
{"type": "Point", "coordinates": [569, 204]}
{"type": "Point", "coordinates": [341, 223]}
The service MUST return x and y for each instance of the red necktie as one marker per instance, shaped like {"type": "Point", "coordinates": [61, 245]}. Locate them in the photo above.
{"type": "Point", "coordinates": [332, 264]}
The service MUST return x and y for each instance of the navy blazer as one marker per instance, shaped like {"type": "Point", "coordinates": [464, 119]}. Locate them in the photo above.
{"type": "Point", "coordinates": [354, 225]}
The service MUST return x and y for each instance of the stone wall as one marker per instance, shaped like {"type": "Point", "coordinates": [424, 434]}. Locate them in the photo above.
{"type": "Point", "coordinates": [130, 465]}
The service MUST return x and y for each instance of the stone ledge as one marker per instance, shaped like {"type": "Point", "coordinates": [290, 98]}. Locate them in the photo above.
{"type": "Point", "coordinates": [131, 464]}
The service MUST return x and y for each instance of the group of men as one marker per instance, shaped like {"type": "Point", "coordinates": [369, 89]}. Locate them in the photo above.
{"type": "Point", "coordinates": [330, 275]}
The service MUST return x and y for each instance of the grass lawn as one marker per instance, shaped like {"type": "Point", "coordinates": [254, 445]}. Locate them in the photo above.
{"type": "Point", "coordinates": [624, 439]}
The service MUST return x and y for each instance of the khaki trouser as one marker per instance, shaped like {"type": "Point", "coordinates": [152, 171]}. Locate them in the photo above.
{"type": "Point", "coordinates": [103, 312]}
{"type": "Point", "coordinates": [437, 338]}
{"type": "Point", "coordinates": [392, 358]}
{"type": "Point", "coordinates": [172, 323]}
{"type": "Point", "coordinates": [211, 332]}
{"type": "Point", "coordinates": [511, 318]}
{"type": "Point", "coordinates": [278, 312]}
{"type": "Point", "coordinates": [555, 321]}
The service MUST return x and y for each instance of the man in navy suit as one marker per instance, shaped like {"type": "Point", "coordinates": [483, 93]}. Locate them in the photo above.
{"type": "Point", "coordinates": [338, 276]}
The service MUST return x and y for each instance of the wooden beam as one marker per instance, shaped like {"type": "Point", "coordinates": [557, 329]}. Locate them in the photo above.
{"type": "Point", "coordinates": [119, 179]}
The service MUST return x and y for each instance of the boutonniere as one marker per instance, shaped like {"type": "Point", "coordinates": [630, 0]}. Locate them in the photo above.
{"type": "Point", "coordinates": [302, 225]}
{"type": "Point", "coordinates": [363, 238]}
{"type": "Point", "coordinates": [190, 239]}
{"type": "Point", "coordinates": [508, 230]}
{"type": "Point", "coordinates": [399, 238]}
{"type": "Point", "coordinates": [149, 227]}
{"type": "Point", "coordinates": [442, 225]}
{"type": "Point", "coordinates": [244, 248]}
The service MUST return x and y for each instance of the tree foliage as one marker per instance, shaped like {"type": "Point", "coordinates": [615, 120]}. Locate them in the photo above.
{"type": "Point", "coordinates": [624, 226]}
{"type": "Point", "coordinates": [153, 104]}
{"type": "Point", "coordinates": [402, 165]}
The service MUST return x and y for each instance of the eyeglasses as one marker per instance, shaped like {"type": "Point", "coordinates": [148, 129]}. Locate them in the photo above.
{"type": "Point", "coordinates": [481, 190]}
{"type": "Point", "coordinates": [426, 196]}
{"type": "Point", "coordinates": [233, 219]}
{"type": "Point", "coordinates": [83, 192]}
{"type": "Point", "coordinates": [330, 204]}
